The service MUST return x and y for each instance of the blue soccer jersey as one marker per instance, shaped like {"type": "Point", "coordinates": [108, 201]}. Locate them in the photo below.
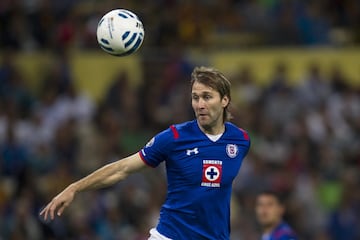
{"type": "Point", "coordinates": [200, 173]}
{"type": "Point", "coordinates": [282, 232]}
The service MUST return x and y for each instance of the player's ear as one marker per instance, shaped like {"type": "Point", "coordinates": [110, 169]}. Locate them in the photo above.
{"type": "Point", "coordinates": [225, 101]}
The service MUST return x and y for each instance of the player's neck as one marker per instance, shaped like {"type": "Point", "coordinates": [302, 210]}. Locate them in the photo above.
{"type": "Point", "coordinates": [213, 130]}
{"type": "Point", "coordinates": [270, 228]}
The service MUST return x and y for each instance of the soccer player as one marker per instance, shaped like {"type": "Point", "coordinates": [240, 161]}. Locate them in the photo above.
{"type": "Point", "coordinates": [202, 158]}
{"type": "Point", "coordinates": [269, 213]}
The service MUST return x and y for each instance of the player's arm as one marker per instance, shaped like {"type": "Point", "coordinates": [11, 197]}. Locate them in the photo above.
{"type": "Point", "coordinates": [105, 176]}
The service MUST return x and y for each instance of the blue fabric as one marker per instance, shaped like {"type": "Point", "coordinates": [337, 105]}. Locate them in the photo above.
{"type": "Point", "coordinates": [199, 174]}
{"type": "Point", "coordinates": [283, 232]}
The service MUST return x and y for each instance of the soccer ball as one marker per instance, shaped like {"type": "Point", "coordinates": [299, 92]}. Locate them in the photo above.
{"type": "Point", "coordinates": [120, 32]}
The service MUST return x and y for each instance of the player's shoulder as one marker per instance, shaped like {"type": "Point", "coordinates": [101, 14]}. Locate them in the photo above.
{"type": "Point", "coordinates": [285, 232]}
{"type": "Point", "coordinates": [184, 128]}
{"type": "Point", "coordinates": [185, 125]}
{"type": "Point", "coordinates": [237, 131]}
{"type": "Point", "coordinates": [168, 134]}
{"type": "Point", "coordinates": [287, 236]}
{"type": "Point", "coordinates": [173, 132]}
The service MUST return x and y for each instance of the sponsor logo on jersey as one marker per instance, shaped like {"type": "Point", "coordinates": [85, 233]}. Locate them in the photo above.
{"type": "Point", "coordinates": [211, 174]}
{"type": "Point", "coordinates": [192, 151]}
{"type": "Point", "coordinates": [150, 143]}
{"type": "Point", "coordinates": [232, 150]}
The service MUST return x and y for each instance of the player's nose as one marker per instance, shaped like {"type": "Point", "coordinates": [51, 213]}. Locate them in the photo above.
{"type": "Point", "coordinates": [201, 103]}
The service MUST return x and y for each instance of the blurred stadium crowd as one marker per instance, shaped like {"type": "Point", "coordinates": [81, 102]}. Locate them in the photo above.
{"type": "Point", "coordinates": [37, 24]}
{"type": "Point", "coordinates": [305, 137]}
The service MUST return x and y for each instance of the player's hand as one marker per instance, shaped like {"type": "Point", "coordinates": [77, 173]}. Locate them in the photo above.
{"type": "Point", "coordinates": [59, 203]}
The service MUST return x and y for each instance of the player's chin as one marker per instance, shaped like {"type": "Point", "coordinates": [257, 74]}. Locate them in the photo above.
{"type": "Point", "coordinates": [265, 222]}
{"type": "Point", "coordinates": [204, 123]}
{"type": "Point", "coordinates": [203, 120]}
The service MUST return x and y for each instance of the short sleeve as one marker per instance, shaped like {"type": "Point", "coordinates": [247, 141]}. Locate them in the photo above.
{"type": "Point", "coordinates": [246, 142]}
{"type": "Point", "coordinates": [157, 149]}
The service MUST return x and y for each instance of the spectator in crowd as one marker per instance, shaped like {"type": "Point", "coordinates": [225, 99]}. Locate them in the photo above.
{"type": "Point", "coordinates": [270, 212]}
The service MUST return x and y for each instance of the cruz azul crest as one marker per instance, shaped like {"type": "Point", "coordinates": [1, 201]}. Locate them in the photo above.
{"type": "Point", "coordinates": [232, 150]}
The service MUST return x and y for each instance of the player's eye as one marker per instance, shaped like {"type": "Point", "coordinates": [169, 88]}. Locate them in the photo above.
{"type": "Point", "coordinates": [195, 97]}
{"type": "Point", "coordinates": [207, 97]}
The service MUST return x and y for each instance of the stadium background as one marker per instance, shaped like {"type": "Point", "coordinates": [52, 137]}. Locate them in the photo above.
{"type": "Point", "coordinates": [67, 108]}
